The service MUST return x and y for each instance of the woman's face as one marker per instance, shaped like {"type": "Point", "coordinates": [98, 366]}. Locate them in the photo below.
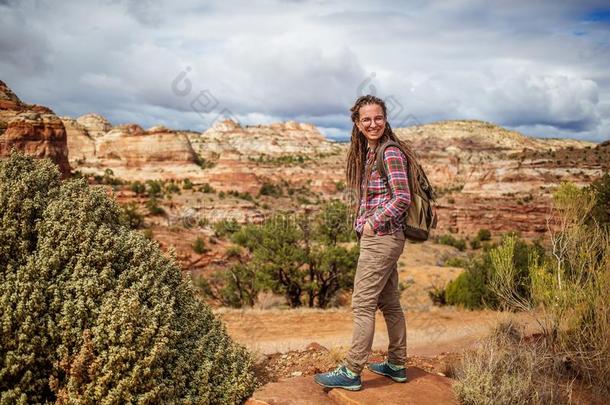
{"type": "Point", "coordinates": [371, 122]}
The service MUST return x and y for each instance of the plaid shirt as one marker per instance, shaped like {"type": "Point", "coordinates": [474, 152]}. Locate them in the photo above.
{"type": "Point", "coordinates": [386, 204]}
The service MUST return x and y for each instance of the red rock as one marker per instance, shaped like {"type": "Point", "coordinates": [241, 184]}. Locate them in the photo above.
{"type": "Point", "coordinates": [293, 391]}
{"type": "Point", "coordinates": [32, 129]}
{"type": "Point", "coordinates": [423, 388]}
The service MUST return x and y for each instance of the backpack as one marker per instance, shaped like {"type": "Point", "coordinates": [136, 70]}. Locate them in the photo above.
{"type": "Point", "coordinates": [421, 216]}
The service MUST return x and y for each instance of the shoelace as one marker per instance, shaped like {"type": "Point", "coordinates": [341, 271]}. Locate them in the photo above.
{"type": "Point", "coordinates": [336, 372]}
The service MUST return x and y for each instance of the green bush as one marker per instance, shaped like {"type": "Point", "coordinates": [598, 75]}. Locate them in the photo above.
{"type": "Point", "coordinates": [153, 187]}
{"type": "Point", "coordinates": [132, 216]}
{"type": "Point", "coordinates": [270, 189]}
{"type": "Point", "coordinates": [206, 188]}
{"type": "Point", "coordinates": [450, 240]}
{"type": "Point", "coordinates": [467, 290]}
{"type": "Point", "coordinates": [93, 312]}
{"type": "Point", "coordinates": [172, 187]}
{"type": "Point", "coordinates": [600, 212]}
{"type": "Point", "coordinates": [199, 245]}
{"type": "Point", "coordinates": [472, 288]}
{"type": "Point", "coordinates": [226, 227]}
{"type": "Point", "coordinates": [137, 187]}
{"type": "Point", "coordinates": [154, 208]}
{"type": "Point", "coordinates": [484, 234]}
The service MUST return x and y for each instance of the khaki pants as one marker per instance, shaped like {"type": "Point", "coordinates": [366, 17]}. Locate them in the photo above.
{"type": "Point", "coordinates": [376, 286]}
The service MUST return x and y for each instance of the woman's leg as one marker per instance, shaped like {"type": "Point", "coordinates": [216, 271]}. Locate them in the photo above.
{"type": "Point", "coordinates": [389, 304]}
{"type": "Point", "coordinates": [376, 264]}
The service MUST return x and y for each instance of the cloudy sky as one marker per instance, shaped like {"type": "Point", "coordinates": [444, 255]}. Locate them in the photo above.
{"type": "Point", "coordinates": [542, 68]}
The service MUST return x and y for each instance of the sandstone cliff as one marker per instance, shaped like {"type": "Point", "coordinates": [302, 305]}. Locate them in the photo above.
{"type": "Point", "coordinates": [33, 129]}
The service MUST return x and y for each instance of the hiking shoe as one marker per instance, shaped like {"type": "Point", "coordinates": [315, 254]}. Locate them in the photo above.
{"type": "Point", "coordinates": [342, 377]}
{"type": "Point", "coordinates": [396, 373]}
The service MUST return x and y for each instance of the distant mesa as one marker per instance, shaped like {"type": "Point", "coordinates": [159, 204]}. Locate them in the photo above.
{"type": "Point", "coordinates": [32, 129]}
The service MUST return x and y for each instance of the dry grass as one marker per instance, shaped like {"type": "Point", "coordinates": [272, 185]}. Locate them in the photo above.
{"type": "Point", "coordinates": [504, 369]}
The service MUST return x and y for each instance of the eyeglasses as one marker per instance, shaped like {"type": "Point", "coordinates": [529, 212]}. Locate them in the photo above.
{"type": "Point", "coordinates": [366, 122]}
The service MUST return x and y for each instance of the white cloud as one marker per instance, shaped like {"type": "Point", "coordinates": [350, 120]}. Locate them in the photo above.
{"type": "Point", "coordinates": [538, 67]}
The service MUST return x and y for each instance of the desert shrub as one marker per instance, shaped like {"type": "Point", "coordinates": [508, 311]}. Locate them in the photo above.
{"type": "Point", "coordinates": [233, 252]}
{"type": "Point", "coordinates": [504, 369]}
{"type": "Point", "coordinates": [450, 240]}
{"type": "Point", "coordinates": [153, 207]}
{"type": "Point", "coordinates": [242, 195]}
{"type": "Point", "coordinates": [600, 212]}
{"type": "Point", "coordinates": [437, 295]}
{"type": "Point", "coordinates": [154, 187]}
{"type": "Point", "coordinates": [203, 163]}
{"type": "Point", "coordinates": [206, 188]}
{"type": "Point", "coordinates": [270, 189]}
{"type": "Point", "coordinates": [199, 245]}
{"type": "Point", "coordinates": [93, 312]}
{"type": "Point", "coordinates": [226, 227]}
{"type": "Point", "coordinates": [467, 290]}
{"type": "Point", "coordinates": [131, 215]}
{"type": "Point", "coordinates": [472, 288]}
{"type": "Point", "coordinates": [137, 187]}
{"type": "Point", "coordinates": [187, 184]}
{"type": "Point", "coordinates": [484, 234]}
{"type": "Point", "coordinates": [172, 187]}
{"type": "Point", "coordinates": [475, 244]}
{"type": "Point", "coordinates": [456, 261]}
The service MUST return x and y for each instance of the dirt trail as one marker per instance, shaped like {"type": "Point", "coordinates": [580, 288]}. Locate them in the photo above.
{"type": "Point", "coordinates": [428, 332]}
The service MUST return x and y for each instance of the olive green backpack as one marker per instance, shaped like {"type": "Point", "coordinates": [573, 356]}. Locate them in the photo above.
{"type": "Point", "coordinates": [421, 216]}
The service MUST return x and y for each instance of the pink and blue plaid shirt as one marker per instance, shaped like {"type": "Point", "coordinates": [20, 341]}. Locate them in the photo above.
{"type": "Point", "coordinates": [386, 204]}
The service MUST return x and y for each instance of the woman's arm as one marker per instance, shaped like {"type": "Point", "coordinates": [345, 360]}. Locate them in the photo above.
{"type": "Point", "coordinates": [399, 185]}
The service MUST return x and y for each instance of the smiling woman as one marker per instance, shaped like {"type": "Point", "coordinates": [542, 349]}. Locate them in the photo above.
{"type": "Point", "coordinates": [382, 206]}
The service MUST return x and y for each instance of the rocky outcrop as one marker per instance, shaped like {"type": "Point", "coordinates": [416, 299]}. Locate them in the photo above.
{"type": "Point", "coordinates": [135, 147]}
{"type": "Point", "coordinates": [32, 129]}
{"type": "Point", "coordinates": [94, 124]}
{"type": "Point", "coordinates": [230, 139]}
{"type": "Point", "coordinates": [422, 388]}
{"type": "Point", "coordinates": [81, 146]}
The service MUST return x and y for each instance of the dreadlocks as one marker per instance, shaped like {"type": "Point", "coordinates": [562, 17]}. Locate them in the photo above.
{"type": "Point", "coordinates": [356, 157]}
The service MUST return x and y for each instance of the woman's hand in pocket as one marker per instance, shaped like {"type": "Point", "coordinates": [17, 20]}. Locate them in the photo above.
{"type": "Point", "coordinates": [368, 230]}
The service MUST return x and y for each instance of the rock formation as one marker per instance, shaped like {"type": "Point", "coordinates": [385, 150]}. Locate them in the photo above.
{"type": "Point", "coordinates": [278, 139]}
{"type": "Point", "coordinates": [33, 129]}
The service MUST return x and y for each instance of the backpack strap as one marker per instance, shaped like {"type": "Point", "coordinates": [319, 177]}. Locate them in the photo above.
{"type": "Point", "coordinates": [381, 167]}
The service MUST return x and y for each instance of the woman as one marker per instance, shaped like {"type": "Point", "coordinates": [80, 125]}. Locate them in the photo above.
{"type": "Point", "coordinates": [382, 204]}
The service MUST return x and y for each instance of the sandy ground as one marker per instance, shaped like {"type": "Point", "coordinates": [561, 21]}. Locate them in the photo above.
{"type": "Point", "coordinates": [428, 333]}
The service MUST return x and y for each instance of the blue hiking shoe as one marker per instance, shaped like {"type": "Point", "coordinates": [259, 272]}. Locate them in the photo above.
{"type": "Point", "coordinates": [396, 373]}
{"type": "Point", "coordinates": [342, 377]}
